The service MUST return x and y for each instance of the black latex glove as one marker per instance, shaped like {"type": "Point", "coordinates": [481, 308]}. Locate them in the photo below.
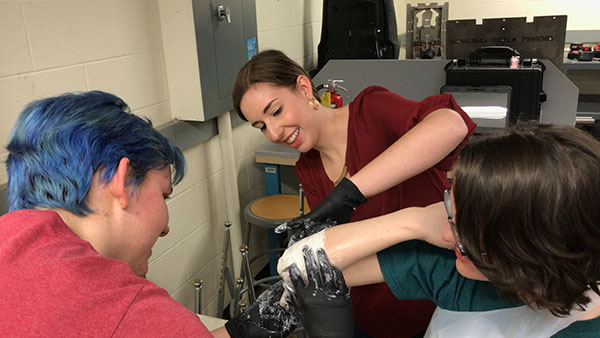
{"type": "Point", "coordinates": [324, 304]}
{"type": "Point", "coordinates": [338, 206]}
{"type": "Point", "coordinates": [309, 227]}
{"type": "Point", "coordinates": [264, 318]}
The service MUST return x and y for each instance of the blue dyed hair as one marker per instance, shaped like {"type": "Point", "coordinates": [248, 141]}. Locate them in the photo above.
{"type": "Point", "coordinates": [58, 143]}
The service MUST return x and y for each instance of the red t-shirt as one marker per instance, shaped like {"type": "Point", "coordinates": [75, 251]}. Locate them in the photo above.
{"type": "Point", "coordinates": [54, 284]}
{"type": "Point", "coordinates": [378, 118]}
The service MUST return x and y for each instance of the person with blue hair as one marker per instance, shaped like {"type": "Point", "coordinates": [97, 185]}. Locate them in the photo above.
{"type": "Point", "coordinates": [87, 185]}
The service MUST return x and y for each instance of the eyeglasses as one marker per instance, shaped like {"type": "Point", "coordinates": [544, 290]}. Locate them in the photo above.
{"type": "Point", "coordinates": [459, 245]}
{"type": "Point", "coordinates": [448, 206]}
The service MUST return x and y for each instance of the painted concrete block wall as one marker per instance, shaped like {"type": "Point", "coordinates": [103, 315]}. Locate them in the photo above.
{"type": "Point", "coordinates": [293, 26]}
{"type": "Point", "coordinates": [52, 47]}
{"type": "Point", "coordinates": [582, 15]}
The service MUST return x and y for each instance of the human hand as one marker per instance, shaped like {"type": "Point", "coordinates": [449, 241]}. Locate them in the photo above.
{"type": "Point", "coordinates": [264, 318]}
{"type": "Point", "coordinates": [309, 228]}
{"type": "Point", "coordinates": [338, 206]}
{"type": "Point", "coordinates": [294, 254]}
{"type": "Point", "coordinates": [324, 303]}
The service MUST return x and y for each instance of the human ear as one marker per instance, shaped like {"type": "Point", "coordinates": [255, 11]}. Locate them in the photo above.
{"type": "Point", "coordinates": [118, 183]}
{"type": "Point", "coordinates": [304, 85]}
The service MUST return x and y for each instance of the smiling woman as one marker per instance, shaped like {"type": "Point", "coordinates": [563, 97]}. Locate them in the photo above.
{"type": "Point", "coordinates": [381, 146]}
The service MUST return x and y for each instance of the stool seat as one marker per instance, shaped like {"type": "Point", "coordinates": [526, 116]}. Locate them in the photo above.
{"type": "Point", "coordinates": [266, 212]}
{"type": "Point", "coordinates": [270, 211]}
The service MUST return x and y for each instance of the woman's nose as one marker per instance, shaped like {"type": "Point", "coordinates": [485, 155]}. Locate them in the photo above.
{"type": "Point", "coordinates": [275, 132]}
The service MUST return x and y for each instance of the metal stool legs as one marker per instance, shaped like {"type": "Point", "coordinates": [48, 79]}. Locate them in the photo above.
{"type": "Point", "coordinates": [225, 279]}
{"type": "Point", "coordinates": [198, 296]}
{"type": "Point", "coordinates": [247, 279]}
{"type": "Point", "coordinates": [265, 212]}
{"type": "Point", "coordinates": [247, 273]}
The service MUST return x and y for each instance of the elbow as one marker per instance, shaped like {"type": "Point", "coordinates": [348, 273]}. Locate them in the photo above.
{"type": "Point", "coordinates": [455, 125]}
{"type": "Point", "coordinates": [460, 127]}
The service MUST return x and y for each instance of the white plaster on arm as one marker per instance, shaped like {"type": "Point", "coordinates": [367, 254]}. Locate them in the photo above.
{"type": "Point", "coordinates": [350, 243]}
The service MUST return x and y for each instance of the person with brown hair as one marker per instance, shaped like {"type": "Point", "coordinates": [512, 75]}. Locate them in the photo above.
{"type": "Point", "coordinates": [522, 219]}
{"type": "Point", "coordinates": [380, 146]}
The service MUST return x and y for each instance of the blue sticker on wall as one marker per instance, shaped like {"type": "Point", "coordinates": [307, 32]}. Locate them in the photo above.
{"type": "Point", "coordinates": [252, 49]}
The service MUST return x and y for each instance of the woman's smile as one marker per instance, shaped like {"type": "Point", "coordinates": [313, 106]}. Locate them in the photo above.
{"type": "Point", "coordinates": [292, 137]}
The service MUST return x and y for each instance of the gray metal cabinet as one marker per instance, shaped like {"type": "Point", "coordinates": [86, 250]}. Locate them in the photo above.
{"type": "Point", "coordinates": [205, 43]}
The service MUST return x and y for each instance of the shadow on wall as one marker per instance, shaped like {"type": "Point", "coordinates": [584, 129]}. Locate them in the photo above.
{"type": "Point", "coordinates": [3, 200]}
{"type": "Point", "coordinates": [307, 32]}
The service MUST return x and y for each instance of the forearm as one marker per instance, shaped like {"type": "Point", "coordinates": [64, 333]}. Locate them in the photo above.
{"type": "Point", "coordinates": [349, 243]}
{"type": "Point", "coordinates": [365, 271]}
{"type": "Point", "coordinates": [427, 143]}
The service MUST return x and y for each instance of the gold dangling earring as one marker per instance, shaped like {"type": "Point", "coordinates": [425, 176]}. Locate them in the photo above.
{"type": "Point", "coordinates": [314, 104]}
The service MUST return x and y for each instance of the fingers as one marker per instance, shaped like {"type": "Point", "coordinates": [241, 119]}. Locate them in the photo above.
{"type": "Point", "coordinates": [297, 284]}
{"type": "Point", "coordinates": [274, 291]}
{"type": "Point", "coordinates": [289, 288]}
{"type": "Point", "coordinates": [340, 281]}
{"type": "Point", "coordinates": [326, 272]}
{"type": "Point", "coordinates": [312, 272]}
{"type": "Point", "coordinates": [291, 224]}
{"type": "Point", "coordinates": [295, 276]}
{"type": "Point", "coordinates": [283, 227]}
{"type": "Point", "coordinates": [290, 296]}
{"type": "Point", "coordinates": [333, 278]}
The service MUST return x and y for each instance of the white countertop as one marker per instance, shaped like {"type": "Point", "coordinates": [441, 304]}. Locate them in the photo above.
{"type": "Point", "coordinates": [212, 323]}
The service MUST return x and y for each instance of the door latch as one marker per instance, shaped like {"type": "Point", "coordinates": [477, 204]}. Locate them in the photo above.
{"type": "Point", "coordinates": [223, 13]}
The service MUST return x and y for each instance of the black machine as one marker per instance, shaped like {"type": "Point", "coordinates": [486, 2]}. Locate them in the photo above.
{"type": "Point", "coordinates": [357, 29]}
{"type": "Point", "coordinates": [502, 66]}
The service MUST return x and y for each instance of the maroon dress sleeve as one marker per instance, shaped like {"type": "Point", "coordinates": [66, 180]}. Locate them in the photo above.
{"type": "Point", "coordinates": [392, 115]}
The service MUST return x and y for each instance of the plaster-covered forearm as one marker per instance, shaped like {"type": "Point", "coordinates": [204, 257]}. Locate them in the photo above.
{"type": "Point", "coordinates": [422, 147]}
{"type": "Point", "coordinates": [350, 243]}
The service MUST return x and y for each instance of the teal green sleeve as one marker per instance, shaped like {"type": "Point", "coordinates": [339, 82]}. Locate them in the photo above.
{"type": "Point", "coordinates": [418, 270]}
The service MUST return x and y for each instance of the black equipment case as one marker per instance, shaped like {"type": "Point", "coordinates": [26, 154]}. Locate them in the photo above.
{"type": "Point", "coordinates": [357, 29]}
{"type": "Point", "coordinates": [491, 66]}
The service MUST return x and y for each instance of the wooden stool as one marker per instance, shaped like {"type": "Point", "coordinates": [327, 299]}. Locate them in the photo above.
{"type": "Point", "coordinates": [271, 211]}
{"type": "Point", "coordinates": [266, 212]}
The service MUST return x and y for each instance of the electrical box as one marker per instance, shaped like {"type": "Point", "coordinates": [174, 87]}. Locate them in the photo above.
{"type": "Point", "coordinates": [205, 44]}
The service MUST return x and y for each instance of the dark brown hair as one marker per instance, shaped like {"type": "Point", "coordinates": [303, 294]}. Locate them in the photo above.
{"type": "Point", "coordinates": [530, 198]}
{"type": "Point", "coordinates": [270, 66]}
